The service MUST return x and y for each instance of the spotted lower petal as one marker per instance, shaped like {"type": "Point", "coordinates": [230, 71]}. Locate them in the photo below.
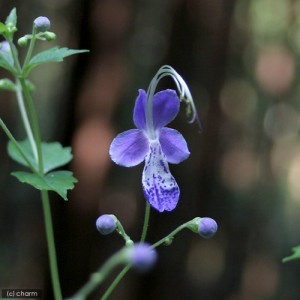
{"type": "Point", "coordinates": [160, 187]}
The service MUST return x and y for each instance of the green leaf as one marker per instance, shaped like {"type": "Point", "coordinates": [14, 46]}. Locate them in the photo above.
{"type": "Point", "coordinates": [54, 155]}
{"type": "Point", "coordinates": [12, 18]}
{"type": "Point", "coordinates": [294, 256]}
{"type": "Point", "coordinates": [58, 181]}
{"type": "Point", "coordinates": [11, 22]}
{"type": "Point", "coordinates": [2, 28]}
{"type": "Point", "coordinates": [7, 62]}
{"type": "Point", "coordinates": [54, 54]}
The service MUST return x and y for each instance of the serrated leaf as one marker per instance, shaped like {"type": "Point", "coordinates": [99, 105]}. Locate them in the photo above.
{"type": "Point", "coordinates": [7, 62]}
{"type": "Point", "coordinates": [12, 17]}
{"type": "Point", "coordinates": [54, 155]}
{"type": "Point", "coordinates": [294, 256]}
{"type": "Point", "coordinates": [58, 181]}
{"type": "Point", "coordinates": [55, 54]}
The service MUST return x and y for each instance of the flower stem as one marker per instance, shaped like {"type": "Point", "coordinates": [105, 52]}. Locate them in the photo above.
{"type": "Point", "coordinates": [26, 122]}
{"type": "Point", "coordinates": [97, 277]}
{"type": "Point", "coordinates": [16, 144]}
{"type": "Point", "coordinates": [146, 222]}
{"type": "Point", "coordinates": [126, 237]}
{"type": "Point", "coordinates": [30, 49]}
{"type": "Point", "coordinates": [115, 282]}
{"type": "Point", "coordinates": [31, 125]}
{"type": "Point", "coordinates": [51, 246]}
{"type": "Point", "coordinates": [171, 235]}
{"type": "Point", "coordinates": [34, 122]}
{"type": "Point", "coordinates": [127, 268]}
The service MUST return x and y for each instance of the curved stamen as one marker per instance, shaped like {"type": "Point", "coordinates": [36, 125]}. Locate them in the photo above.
{"type": "Point", "coordinates": [185, 95]}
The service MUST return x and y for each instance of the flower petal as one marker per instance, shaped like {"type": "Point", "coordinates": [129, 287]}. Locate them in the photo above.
{"type": "Point", "coordinates": [173, 145]}
{"type": "Point", "coordinates": [129, 148]}
{"type": "Point", "coordinates": [139, 116]}
{"type": "Point", "coordinates": [160, 187]}
{"type": "Point", "coordinates": [165, 108]}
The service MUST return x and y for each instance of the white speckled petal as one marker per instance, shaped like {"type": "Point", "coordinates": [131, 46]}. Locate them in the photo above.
{"type": "Point", "coordinates": [160, 187]}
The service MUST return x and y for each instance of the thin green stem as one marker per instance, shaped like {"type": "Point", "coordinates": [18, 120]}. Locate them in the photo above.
{"type": "Point", "coordinates": [25, 120]}
{"type": "Point", "coordinates": [51, 246]}
{"type": "Point", "coordinates": [16, 144]}
{"type": "Point", "coordinates": [171, 235]}
{"type": "Point", "coordinates": [115, 282]}
{"type": "Point", "coordinates": [127, 268]}
{"type": "Point", "coordinates": [97, 277]}
{"type": "Point", "coordinates": [146, 222]}
{"type": "Point", "coordinates": [14, 55]}
{"type": "Point", "coordinates": [30, 120]}
{"type": "Point", "coordinates": [30, 49]}
{"type": "Point", "coordinates": [126, 237]}
{"type": "Point", "coordinates": [34, 122]}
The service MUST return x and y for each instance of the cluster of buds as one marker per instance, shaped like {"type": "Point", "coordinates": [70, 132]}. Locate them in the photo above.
{"type": "Point", "coordinates": [41, 26]}
{"type": "Point", "coordinates": [143, 256]}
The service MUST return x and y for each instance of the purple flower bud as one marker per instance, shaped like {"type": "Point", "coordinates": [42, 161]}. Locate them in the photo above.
{"type": "Point", "coordinates": [142, 257]}
{"type": "Point", "coordinates": [106, 224]}
{"type": "Point", "coordinates": [5, 47]}
{"type": "Point", "coordinates": [42, 24]}
{"type": "Point", "coordinates": [207, 227]}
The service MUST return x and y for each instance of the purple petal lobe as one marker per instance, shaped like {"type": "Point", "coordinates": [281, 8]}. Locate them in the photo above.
{"type": "Point", "coordinates": [139, 116]}
{"type": "Point", "coordinates": [129, 148]}
{"type": "Point", "coordinates": [173, 145]}
{"type": "Point", "coordinates": [165, 108]}
{"type": "Point", "coordinates": [160, 187]}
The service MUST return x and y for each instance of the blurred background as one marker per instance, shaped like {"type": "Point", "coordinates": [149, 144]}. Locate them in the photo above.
{"type": "Point", "coordinates": [241, 61]}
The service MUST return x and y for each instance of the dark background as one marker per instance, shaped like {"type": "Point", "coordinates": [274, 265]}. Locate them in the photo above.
{"type": "Point", "coordinates": [241, 61]}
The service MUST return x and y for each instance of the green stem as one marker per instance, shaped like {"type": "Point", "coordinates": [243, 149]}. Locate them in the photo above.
{"type": "Point", "coordinates": [51, 246]}
{"type": "Point", "coordinates": [30, 121]}
{"type": "Point", "coordinates": [30, 49]}
{"type": "Point", "coordinates": [115, 282]}
{"type": "Point", "coordinates": [14, 55]}
{"type": "Point", "coordinates": [146, 222]}
{"type": "Point", "coordinates": [34, 122]}
{"type": "Point", "coordinates": [97, 277]}
{"type": "Point", "coordinates": [21, 87]}
{"type": "Point", "coordinates": [126, 237]}
{"type": "Point", "coordinates": [26, 122]}
{"type": "Point", "coordinates": [171, 235]}
{"type": "Point", "coordinates": [120, 276]}
{"type": "Point", "coordinates": [16, 144]}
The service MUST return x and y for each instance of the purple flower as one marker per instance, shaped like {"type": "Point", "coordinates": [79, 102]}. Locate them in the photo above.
{"type": "Point", "coordinates": [106, 224]}
{"type": "Point", "coordinates": [142, 257]}
{"type": "Point", "coordinates": [156, 144]}
{"type": "Point", "coordinates": [207, 227]}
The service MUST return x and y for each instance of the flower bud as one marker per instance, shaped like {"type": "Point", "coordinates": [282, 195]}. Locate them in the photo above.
{"type": "Point", "coordinates": [23, 41]}
{"type": "Point", "coordinates": [41, 24]}
{"type": "Point", "coordinates": [7, 84]}
{"type": "Point", "coordinates": [106, 224]}
{"type": "Point", "coordinates": [142, 257]}
{"type": "Point", "coordinates": [49, 36]}
{"type": "Point", "coordinates": [207, 227]}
